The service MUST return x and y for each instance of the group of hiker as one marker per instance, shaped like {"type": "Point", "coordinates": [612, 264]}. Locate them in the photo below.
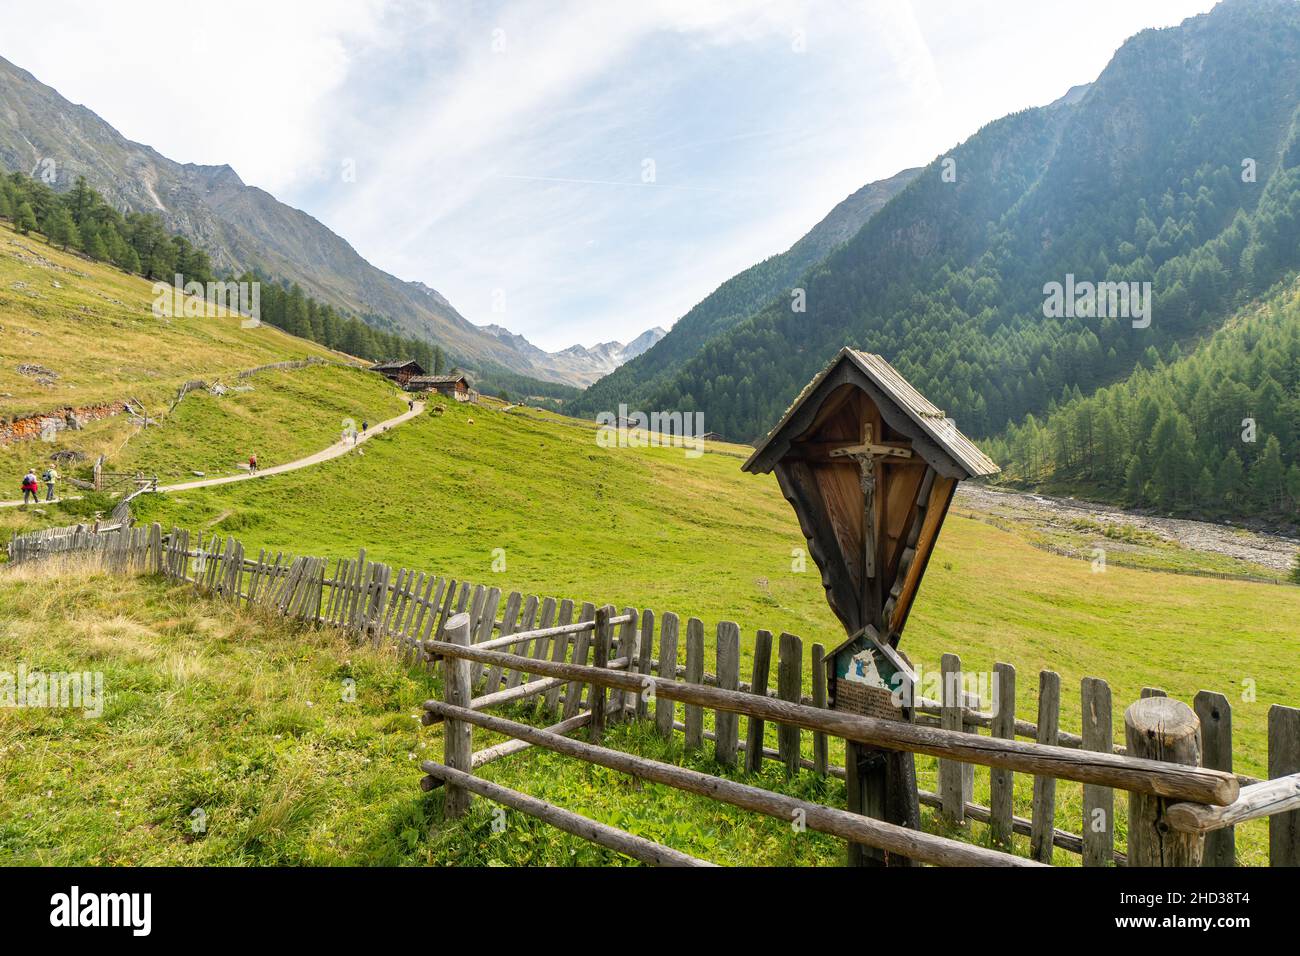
{"type": "Point", "coordinates": [32, 484]}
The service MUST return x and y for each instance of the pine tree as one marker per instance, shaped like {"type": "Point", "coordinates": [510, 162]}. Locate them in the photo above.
{"type": "Point", "coordinates": [1134, 481]}
{"type": "Point", "coordinates": [1268, 476]}
{"type": "Point", "coordinates": [61, 230]}
{"type": "Point", "coordinates": [1205, 488]}
{"type": "Point", "coordinates": [25, 218]}
{"type": "Point", "coordinates": [1228, 483]}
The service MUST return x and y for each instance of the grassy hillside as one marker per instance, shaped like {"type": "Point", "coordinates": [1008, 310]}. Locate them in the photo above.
{"type": "Point", "coordinates": [94, 327]}
{"type": "Point", "coordinates": [92, 331]}
{"type": "Point", "coordinates": [287, 415]}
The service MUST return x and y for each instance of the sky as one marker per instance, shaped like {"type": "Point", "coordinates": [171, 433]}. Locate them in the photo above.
{"type": "Point", "coordinates": [574, 170]}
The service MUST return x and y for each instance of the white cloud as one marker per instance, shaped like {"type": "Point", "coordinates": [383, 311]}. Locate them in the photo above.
{"type": "Point", "coordinates": [240, 82]}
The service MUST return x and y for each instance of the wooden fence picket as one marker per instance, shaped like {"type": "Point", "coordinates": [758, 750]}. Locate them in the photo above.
{"type": "Point", "coordinates": [758, 685]}
{"type": "Point", "coordinates": [559, 653]}
{"type": "Point", "coordinates": [645, 658]}
{"type": "Point", "coordinates": [789, 686]}
{"type": "Point", "coordinates": [821, 758]}
{"type": "Point", "coordinates": [581, 648]}
{"type": "Point", "coordinates": [1041, 840]}
{"type": "Point", "coordinates": [509, 624]}
{"type": "Point", "coordinates": [1215, 714]}
{"type": "Point", "coordinates": [954, 789]}
{"type": "Point", "coordinates": [489, 604]}
{"type": "Point", "coordinates": [694, 675]}
{"type": "Point", "coordinates": [666, 710]}
{"type": "Point", "coordinates": [597, 694]}
{"type": "Point", "coordinates": [1001, 780]}
{"type": "Point", "coordinates": [1098, 801]}
{"type": "Point", "coordinates": [527, 621]}
{"type": "Point", "coordinates": [725, 723]}
{"type": "Point", "coordinates": [1283, 759]}
{"type": "Point", "coordinates": [545, 619]}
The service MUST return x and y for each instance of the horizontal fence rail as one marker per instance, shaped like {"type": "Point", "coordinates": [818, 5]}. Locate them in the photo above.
{"type": "Point", "coordinates": [1153, 777]}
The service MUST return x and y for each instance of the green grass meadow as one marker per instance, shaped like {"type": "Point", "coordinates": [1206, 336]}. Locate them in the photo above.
{"type": "Point", "coordinates": [652, 528]}
{"type": "Point", "coordinates": [244, 718]}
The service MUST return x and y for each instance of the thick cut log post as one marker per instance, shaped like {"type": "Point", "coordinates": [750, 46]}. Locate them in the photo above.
{"type": "Point", "coordinates": [1161, 728]}
{"type": "Point", "coordinates": [457, 734]}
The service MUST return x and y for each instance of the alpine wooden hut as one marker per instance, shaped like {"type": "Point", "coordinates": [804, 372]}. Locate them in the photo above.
{"type": "Point", "coordinates": [870, 467]}
{"type": "Point", "coordinates": [400, 371]}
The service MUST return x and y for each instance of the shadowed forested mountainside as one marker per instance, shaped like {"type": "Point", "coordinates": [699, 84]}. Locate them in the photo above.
{"type": "Point", "coordinates": [1216, 432]}
{"type": "Point", "coordinates": [1178, 167]}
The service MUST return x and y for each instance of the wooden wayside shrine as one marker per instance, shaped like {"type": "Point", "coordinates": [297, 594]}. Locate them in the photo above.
{"type": "Point", "coordinates": [870, 467]}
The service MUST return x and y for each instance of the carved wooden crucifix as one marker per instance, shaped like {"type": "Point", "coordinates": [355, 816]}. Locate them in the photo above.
{"type": "Point", "coordinates": [868, 454]}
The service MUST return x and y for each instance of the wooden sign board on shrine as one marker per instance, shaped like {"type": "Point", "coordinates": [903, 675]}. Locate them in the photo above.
{"type": "Point", "coordinates": [870, 467]}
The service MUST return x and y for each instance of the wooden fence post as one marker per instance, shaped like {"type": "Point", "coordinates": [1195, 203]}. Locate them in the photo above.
{"type": "Point", "coordinates": [1215, 714]}
{"type": "Point", "coordinates": [1098, 802]}
{"type": "Point", "coordinates": [1283, 759]}
{"type": "Point", "coordinates": [789, 686]}
{"type": "Point", "coordinates": [596, 728]}
{"type": "Point", "coordinates": [458, 743]}
{"type": "Point", "coordinates": [1161, 728]}
{"type": "Point", "coordinates": [1043, 825]}
{"type": "Point", "coordinates": [694, 675]}
{"type": "Point", "coordinates": [1001, 780]}
{"type": "Point", "coordinates": [645, 654]}
{"type": "Point", "coordinates": [666, 710]}
{"type": "Point", "coordinates": [725, 724]}
{"type": "Point", "coordinates": [956, 779]}
{"type": "Point", "coordinates": [758, 685]}
{"type": "Point", "coordinates": [821, 763]}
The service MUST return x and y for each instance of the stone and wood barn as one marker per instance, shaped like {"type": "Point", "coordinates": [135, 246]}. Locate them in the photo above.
{"type": "Point", "coordinates": [456, 385]}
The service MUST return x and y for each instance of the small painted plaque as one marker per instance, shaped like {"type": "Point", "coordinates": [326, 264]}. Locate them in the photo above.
{"type": "Point", "coordinates": [872, 679]}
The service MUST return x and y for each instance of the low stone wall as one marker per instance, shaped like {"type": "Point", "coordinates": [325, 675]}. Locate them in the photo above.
{"type": "Point", "coordinates": [32, 427]}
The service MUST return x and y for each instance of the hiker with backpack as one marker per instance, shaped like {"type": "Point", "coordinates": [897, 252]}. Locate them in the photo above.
{"type": "Point", "coordinates": [252, 463]}
{"type": "Point", "coordinates": [50, 477]}
{"type": "Point", "coordinates": [30, 487]}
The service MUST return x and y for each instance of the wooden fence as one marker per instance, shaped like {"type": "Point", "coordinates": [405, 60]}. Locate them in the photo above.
{"type": "Point", "coordinates": [587, 666]}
